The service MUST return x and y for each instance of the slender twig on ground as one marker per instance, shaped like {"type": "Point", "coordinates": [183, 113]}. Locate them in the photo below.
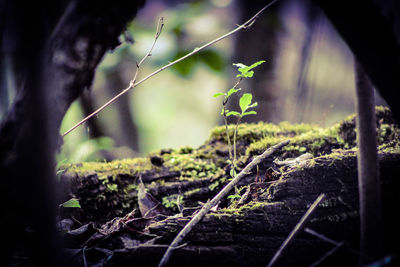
{"type": "Point", "coordinates": [328, 240]}
{"type": "Point", "coordinates": [322, 237]}
{"type": "Point", "coordinates": [296, 229]}
{"type": "Point", "coordinates": [206, 208]}
{"type": "Point", "coordinates": [133, 84]}
{"type": "Point", "coordinates": [337, 245]}
{"type": "Point", "coordinates": [328, 254]}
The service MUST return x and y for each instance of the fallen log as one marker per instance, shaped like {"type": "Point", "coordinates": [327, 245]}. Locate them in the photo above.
{"type": "Point", "coordinates": [240, 231]}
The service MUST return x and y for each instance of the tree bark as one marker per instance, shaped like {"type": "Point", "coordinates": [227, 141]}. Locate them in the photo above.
{"type": "Point", "coordinates": [56, 47]}
{"type": "Point", "coordinates": [368, 171]}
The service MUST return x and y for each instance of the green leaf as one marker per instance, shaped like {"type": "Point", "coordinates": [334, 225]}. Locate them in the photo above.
{"type": "Point", "coordinates": [256, 64]}
{"type": "Point", "coordinates": [232, 91]}
{"type": "Point", "coordinates": [255, 104]}
{"type": "Point", "coordinates": [234, 113]}
{"type": "Point", "coordinates": [248, 74]}
{"type": "Point", "coordinates": [245, 101]}
{"type": "Point", "coordinates": [249, 113]}
{"type": "Point", "coordinates": [72, 203]}
{"type": "Point", "coordinates": [218, 94]}
{"type": "Point", "coordinates": [246, 71]}
{"type": "Point", "coordinates": [239, 65]}
{"type": "Point", "coordinates": [233, 196]}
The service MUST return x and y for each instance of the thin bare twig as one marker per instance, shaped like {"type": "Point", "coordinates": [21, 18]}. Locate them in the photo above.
{"type": "Point", "coordinates": [322, 237]}
{"type": "Point", "coordinates": [328, 254]}
{"type": "Point", "coordinates": [328, 240]}
{"type": "Point", "coordinates": [133, 83]}
{"type": "Point", "coordinates": [296, 229]}
{"type": "Point", "coordinates": [337, 245]}
{"type": "Point", "coordinates": [206, 208]}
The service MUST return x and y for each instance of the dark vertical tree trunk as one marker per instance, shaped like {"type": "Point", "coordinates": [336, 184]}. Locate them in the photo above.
{"type": "Point", "coordinates": [371, 224]}
{"type": "Point", "coordinates": [27, 146]}
{"type": "Point", "coordinates": [56, 48]}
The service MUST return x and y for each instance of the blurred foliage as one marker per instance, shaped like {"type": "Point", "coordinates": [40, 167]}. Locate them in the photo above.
{"type": "Point", "coordinates": [90, 149]}
{"type": "Point", "coordinates": [77, 146]}
{"type": "Point", "coordinates": [211, 58]}
{"type": "Point", "coordinates": [174, 108]}
{"type": "Point", "coordinates": [311, 80]}
{"type": "Point", "coordinates": [162, 108]}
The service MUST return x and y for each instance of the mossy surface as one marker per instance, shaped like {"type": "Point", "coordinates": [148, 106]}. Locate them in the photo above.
{"type": "Point", "coordinates": [256, 216]}
{"type": "Point", "coordinates": [113, 168]}
{"type": "Point", "coordinates": [177, 174]}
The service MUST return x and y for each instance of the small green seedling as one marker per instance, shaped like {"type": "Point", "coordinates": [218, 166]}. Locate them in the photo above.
{"type": "Point", "coordinates": [244, 103]}
{"type": "Point", "coordinates": [235, 196]}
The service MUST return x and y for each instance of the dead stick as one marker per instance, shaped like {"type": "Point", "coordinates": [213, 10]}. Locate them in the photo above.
{"type": "Point", "coordinates": [322, 237]}
{"type": "Point", "coordinates": [328, 240]}
{"type": "Point", "coordinates": [328, 254]}
{"type": "Point", "coordinates": [206, 208]}
{"type": "Point", "coordinates": [296, 229]}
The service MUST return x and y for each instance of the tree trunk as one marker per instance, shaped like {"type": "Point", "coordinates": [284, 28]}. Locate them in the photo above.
{"type": "Point", "coordinates": [368, 171]}
{"type": "Point", "coordinates": [56, 48]}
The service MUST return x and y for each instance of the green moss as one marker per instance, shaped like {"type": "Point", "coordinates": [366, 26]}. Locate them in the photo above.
{"type": "Point", "coordinates": [316, 141]}
{"type": "Point", "coordinates": [387, 129]}
{"type": "Point", "coordinates": [113, 168]}
{"type": "Point", "coordinates": [192, 165]}
{"type": "Point", "coordinates": [211, 159]}
{"type": "Point", "coordinates": [390, 148]}
{"type": "Point", "coordinates": [250, 132]}
{"type": "Point", "coordinates": [252, 206]}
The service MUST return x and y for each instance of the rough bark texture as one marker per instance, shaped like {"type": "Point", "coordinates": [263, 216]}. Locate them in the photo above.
{"type": "Point", "coordinates": [55, 46]}
{"type": "Point", "coordinates": [245, 232]}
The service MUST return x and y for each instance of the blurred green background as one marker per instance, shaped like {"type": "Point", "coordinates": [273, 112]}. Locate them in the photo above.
{"type": "Point", "coordinates": [308, 76]}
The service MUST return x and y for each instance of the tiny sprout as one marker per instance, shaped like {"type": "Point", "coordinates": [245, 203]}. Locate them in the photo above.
{"type": "Point", "coordinates": [246, 71]}
{"type": "Point", "coordinates": [244, 103]}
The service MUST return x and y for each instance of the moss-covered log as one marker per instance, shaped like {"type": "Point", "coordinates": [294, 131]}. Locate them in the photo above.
{"type": "Point", "coordinates": [242, 231]}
